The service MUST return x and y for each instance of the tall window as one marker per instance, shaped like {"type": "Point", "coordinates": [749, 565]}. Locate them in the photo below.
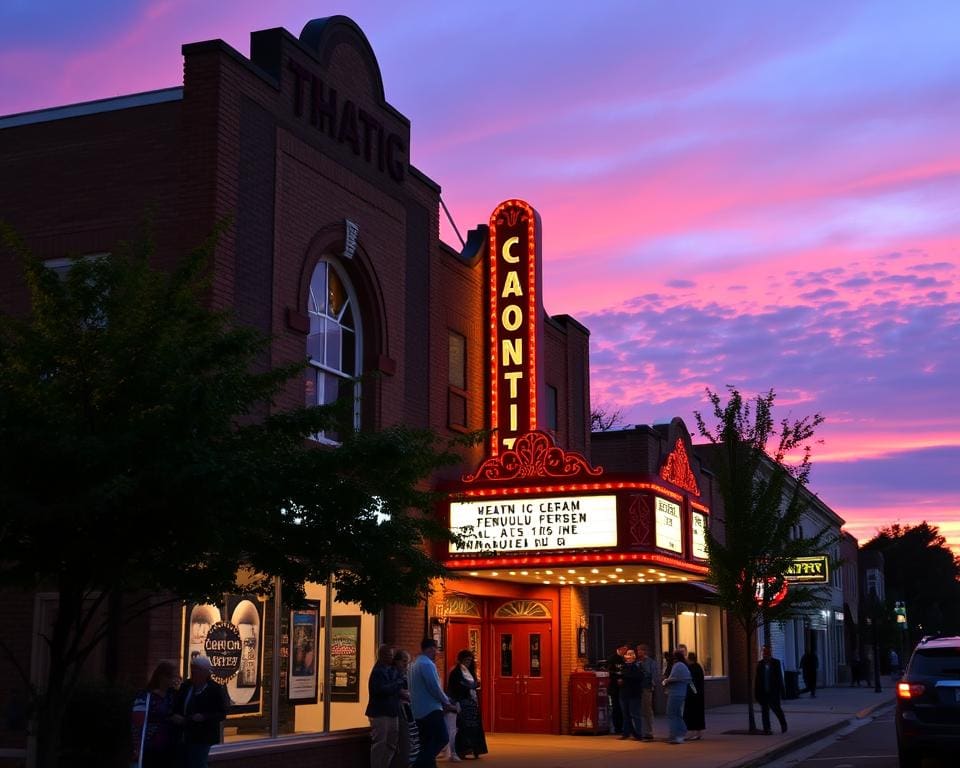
{"type": "Point", "coordinates": [457, 381]}
{"type": "Point", "coordinates": [334, 343]}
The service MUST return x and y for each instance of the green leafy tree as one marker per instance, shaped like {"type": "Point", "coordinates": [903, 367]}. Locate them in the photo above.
{"type": "Point", "coordinates": [141, 462]}
{"type": "Point", "coordinates": [920, 570]}
{"type": "Point", "coordinates": [762, 470]}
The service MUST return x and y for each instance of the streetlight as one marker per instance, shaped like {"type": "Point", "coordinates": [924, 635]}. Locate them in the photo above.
{"type": "Point", "coordinates": [875, 608]}
{"type": "Point", "coordinates": [900, 609]}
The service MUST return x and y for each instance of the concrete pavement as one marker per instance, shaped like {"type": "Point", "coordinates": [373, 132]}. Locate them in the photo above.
{"type": "Point", "coordinates": [807, 720]}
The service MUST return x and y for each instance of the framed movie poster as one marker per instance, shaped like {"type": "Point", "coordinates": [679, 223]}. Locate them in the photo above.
{"type": "Point", "coordinates": [345, 659]}
{"type": "Point", "coordinates": [581, 641]}
{"type": "Point", "coordinates": [230, 634]}
{"type": "Point", "coordinates": [304, 652]}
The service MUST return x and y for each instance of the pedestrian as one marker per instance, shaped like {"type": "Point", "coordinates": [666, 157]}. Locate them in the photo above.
{"type": "Point", "coordinates": [615, 670]}
{"type": "Point", "coordinates": [856, 670]}
{"type": "Point", "coordinates": [408, 736]}
{"type": "Point", "coordinates": [676, 684]}
{"type": "Point", "coordinates": [463, 687]}
{"type": "Point", "coordinates": [155, 737]}
{"type": "Point", "coordinates": [768, 689]}
{"type": "Point", "coordinates": [809, 666]}
{"type": "Point", "coordinates": [429, 704]}
{"type": "Point", "coordinates": [384, 687]}
{"type": "Point", "coordinates": [199, 707]}
{"type": "Point", "coordinates": [631, 696]}
{"type": "Point", "coordinates": [646, 662]}
{"type": "Point", "coordinates": [693, 708]}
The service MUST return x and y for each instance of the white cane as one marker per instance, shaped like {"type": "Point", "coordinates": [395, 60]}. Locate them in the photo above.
{"type": "Point", "coordinates": [143, 732]}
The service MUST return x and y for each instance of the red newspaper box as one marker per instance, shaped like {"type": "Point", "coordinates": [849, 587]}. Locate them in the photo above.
{"type": "Point", "coordinates": [589, 705]}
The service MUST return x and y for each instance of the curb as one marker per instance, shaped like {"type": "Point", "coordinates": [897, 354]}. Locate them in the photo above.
{"type": "Point", "coordinates": [808, 738]}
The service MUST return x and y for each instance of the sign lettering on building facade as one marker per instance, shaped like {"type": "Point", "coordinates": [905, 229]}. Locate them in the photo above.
{"type": "Point", "coordinates": [698, 536]}
{"type": "Point", "coordinates": [809, 570]}
{"type": "Point", "coordinates": [515, 323]}
{"type": "Point", "coordinates": [514, 525]}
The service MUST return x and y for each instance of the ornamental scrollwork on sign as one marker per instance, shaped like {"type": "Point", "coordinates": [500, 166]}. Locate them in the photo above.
{"type": "Point", "coordinates": [676, 469]}
{"type": "Point", "coordinates": [534, 455]}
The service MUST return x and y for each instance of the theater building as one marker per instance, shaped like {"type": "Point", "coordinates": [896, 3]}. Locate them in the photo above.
{"type": "Point", "coordinates": [332, 249]}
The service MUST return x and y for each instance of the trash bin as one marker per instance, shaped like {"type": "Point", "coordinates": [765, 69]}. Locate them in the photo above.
{"type": "Point", "coordinates": [589, 704]}
{"type": "Point", "coordinates": [791, 684]}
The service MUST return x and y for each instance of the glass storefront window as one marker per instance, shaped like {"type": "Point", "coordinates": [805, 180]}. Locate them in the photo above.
{"type": "Point", "coordinates": [287, 672]}
{"type": "Point", "coordinates": [699, 627]}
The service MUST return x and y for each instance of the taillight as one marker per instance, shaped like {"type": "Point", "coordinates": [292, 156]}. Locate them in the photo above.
{"type": "Point", "coordinates": [909, 690]}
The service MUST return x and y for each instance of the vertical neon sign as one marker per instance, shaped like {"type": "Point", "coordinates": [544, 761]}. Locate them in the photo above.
{"type": "Point", "coordinates": [516, 321]}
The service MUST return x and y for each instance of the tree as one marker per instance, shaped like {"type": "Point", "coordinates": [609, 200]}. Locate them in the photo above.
{"type": "Point", "coordinates": [921, 571]}
{"type": "Point", "coordinates": [603, 419]}
{"type": "Point", "coordinates": [141, 462]}
{"type": "Point", "coordinates": [764, 497]}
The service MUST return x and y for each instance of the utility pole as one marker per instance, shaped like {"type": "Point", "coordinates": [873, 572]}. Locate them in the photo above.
{"type": "Point", "coordinates": [875, 610]}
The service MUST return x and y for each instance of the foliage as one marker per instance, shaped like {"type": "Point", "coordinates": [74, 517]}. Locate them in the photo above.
{"type": "Point", "coordinates": [141, 453]}
{"type": "Point", "coordinates": [764, 498]}
{"type": "Point", "coordinates": [604, 419]}
{"type": "Point", "coordinates": [922, 571]}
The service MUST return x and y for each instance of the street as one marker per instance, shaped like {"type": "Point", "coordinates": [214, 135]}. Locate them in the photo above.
{"type": "Point", "coordinates": [872, 744]}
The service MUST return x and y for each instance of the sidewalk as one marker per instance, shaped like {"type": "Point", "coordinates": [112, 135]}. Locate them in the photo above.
{"type": "Point", "coordinates": [807, 720]}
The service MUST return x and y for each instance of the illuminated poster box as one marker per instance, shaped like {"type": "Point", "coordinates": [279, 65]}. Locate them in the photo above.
{"type": "Point", "coordinates": [668, 529]}
{"type": "Point", "coordinates": [520, 525]}
{"type": "Point", "coordinates": [699, 535]}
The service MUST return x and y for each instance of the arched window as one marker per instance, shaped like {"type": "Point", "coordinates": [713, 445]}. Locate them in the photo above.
{"type": "Point", "coordinates": [334, 344]}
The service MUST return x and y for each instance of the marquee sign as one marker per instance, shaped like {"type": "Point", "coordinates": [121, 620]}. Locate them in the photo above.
{"type": "Point", "coordinates": [515, 323]}
{"type": "Point", "coordinates": [522, 524]}
{"type": "Point", "coordinates": [668, 529]}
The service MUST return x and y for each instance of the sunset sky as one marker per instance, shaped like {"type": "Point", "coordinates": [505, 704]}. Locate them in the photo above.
{"type": "Point", "coordinates": [759, 194]}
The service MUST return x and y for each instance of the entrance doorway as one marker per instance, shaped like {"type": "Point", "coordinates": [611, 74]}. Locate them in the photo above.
{"type": "Point", "coordinates": [522, 674]}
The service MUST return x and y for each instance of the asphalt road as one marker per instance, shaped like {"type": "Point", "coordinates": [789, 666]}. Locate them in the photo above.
{"type": "Point", "coordinates": [872, 744]}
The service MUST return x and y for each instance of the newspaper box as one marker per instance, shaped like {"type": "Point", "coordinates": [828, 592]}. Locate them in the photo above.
{"type": "Point", "coordinates": [589, 705]}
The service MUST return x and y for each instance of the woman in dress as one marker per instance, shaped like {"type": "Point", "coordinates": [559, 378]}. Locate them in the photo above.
{"type": "Point", "coordinates": [408, 735]}
{"type": "Point", "coordinates": [676, 685]}
{"type": "Point", "coordinates": [693, 708]}
{"type": "Point", "coordinates": [155, 737]}
{"type": "Point", "coordinates": [462, 687]}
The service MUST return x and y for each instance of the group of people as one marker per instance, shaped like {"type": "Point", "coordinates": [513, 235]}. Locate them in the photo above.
{"type": "Point", "coordinates": [633, 676]}
{"type": "Point", "coordinates": [175, 723]}
{"type": "Point", "coordinates": [413, 719]}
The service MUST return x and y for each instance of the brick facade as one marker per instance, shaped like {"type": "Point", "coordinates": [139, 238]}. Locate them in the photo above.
{"type": "Point", "coordinates": [243, 146]}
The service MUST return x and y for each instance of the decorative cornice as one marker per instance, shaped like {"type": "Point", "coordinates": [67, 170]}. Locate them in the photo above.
{"type": "Point", "coordinates": [534, 456]}
{"type": "Point", "coordinates": [676, 469]}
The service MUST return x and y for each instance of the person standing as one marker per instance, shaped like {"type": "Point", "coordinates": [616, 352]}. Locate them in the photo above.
{"type": "Point", "coordinates": [649, 668]}
{"type": "Point", "coordinates": [429, 703]}
{"type": "Point", "coordinates": [385, 687]}
{"type": "Point", "coordinates": [855, 670]}
{"type": "Point", "coordinates": [768, 689]}
{"type": "Point", "coordinates": [631, 696]}
{"type": "Point", "coordinates": [408, 737]}
{"type": "Point", "coordinates": [677, 683]}
{"type": "Point", "coordinates": [615, 669]}
{"type": "Point", "coordinates": [694, 715]}
{"type": "Point", "coordinates": [809, 665]}
{"type": "Point", "coordinates": [462, 687]}
{"type": "Point", "coordinates": [200, 706]}
{"type": "Point", "coordinates": [154, 736]}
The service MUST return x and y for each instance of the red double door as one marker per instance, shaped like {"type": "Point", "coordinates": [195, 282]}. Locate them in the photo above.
{"type": "Point", "coordinates": [517, 672]}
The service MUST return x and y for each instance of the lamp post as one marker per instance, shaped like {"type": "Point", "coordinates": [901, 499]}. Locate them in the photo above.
{"type": "Point", "coordinates": [900, 609]}
{"type": "Point", "coordinates": [875, 610]}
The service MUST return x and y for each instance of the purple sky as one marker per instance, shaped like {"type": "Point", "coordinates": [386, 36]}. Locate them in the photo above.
{"type": "Point", "coordinates": [749, 193]}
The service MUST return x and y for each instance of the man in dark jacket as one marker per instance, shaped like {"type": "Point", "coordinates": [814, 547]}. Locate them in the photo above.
{"type": "Point", "coordinates": [768, 690]}
{"type": "Point", "coordinates": [385, 688]}
{"type": "Point", "coordinates": [199, 708]}
{"type": "Point", "coordinates": [615, 669]}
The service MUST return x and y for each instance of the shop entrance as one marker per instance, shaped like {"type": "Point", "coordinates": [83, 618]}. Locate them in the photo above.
{"type": "Point", "coordinates": [522, 671]}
